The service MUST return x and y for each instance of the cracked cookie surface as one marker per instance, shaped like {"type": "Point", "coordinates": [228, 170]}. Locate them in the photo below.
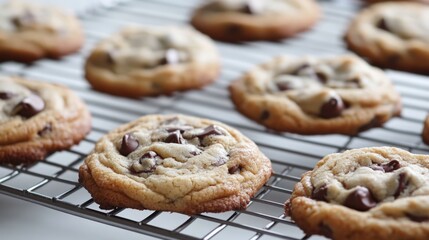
{"type": "Point", "coordinates": [311, 95]}
{"type": "Point", "coordinates": [175, 163]}
{"type": "Point", "coordinates": [29, 32]}
{"type": "Point", "coordinates": [245, 20]}
{"type": "Point", "coordinates": [147, 61]}
{"type": "Point", "coordinates": [38, 118]}
{"type": "Point", "coordinates": [392, 35]}
{"type": "Point", "coordinates": [368, 193]}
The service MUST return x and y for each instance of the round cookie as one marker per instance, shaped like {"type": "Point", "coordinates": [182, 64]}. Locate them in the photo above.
{"type": "Point", "coordinates": [175, 163]}
{"type": "Point", "coordinates": [370, 193]}
{"type": "Point", "coordinates": [309, 95]}
{"type": "Point", "coordinates": [392, 35]}
{"type": "Point", "coordinates": [148, 61]}
{"type": "Point", "coordinates": [29, 32]}
{"type": "Point", "coordinates": [246, 20]}
{"type": "Point", "coordinates": [38, 118]}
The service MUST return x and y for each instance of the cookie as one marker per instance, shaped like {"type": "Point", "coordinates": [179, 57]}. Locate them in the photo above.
{"type": "Point", "coordinates": [29, 32]}
{"type": "Point", "coordinates": [392, 35]}
{"type": "Point", "coordinates": [309, 95]}
{"type": "Point", "coordinates": [425, 134]}
{"type": "Point", "coordinates": [247, 20]}
{"type": "Point", "coordinates": [38, 118]}
{"type": "Point", "coordinates": [175, 163]}
{"type": "Point", "coordinates": [369, 193]}
{"type": "Point", "coordinates": [148, 61]}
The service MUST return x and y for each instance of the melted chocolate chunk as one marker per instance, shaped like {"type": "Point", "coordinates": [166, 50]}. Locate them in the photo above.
{"type": "Point", "coordinates": [148, 162]}
{"type": "Point", "coordinates": [220, 161]}
{"type": "Point", "coordinates": [382, 24]}
{"type": "Point", "coordinates": [23, 20]}
{"type": "Point", "coordinates": [283, 86]}
{"type": "Point", "coordinates": [361, 199]}
{"type": "Point", "coordinates": [129, 144]}
{"type": "Point", "coordinates": [6, 95]}
{"type": "Point", "coordinates": [234, 169]}
{"type": "Point", "coordinates": [416, 218]}
{"type": "Point", "coordinates": [29, 106]}
{"type": "Point", "coordinates": [332, 108]}
{"type": "Point", "coordinates": [320, 194]}
{"type": "Point", "coordinates": [182, 129]}
{"type": "Point", "coordinates": [322, 77]}
{"type": "Point", "coordinates": [265, 114]}
{"type": "Point", "coordinates": [387, 167]}
{"type": "Point", "coordinates": [210, 130]}
{"type": "Point", "coordinates": [171, 57]}
{"type": "Point", "coordinates": [175, 137]}
{"type": "Point", "coordinates": [46, 129]}
{"type": "Point", "coordinates": [402, 184]}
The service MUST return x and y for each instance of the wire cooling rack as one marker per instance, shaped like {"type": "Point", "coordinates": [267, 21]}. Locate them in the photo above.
{"type": "Point", "coordinates": [54, 183]}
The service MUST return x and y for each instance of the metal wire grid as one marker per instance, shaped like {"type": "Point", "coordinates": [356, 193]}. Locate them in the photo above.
{"type": "Point", "coordinates": [53, 182]}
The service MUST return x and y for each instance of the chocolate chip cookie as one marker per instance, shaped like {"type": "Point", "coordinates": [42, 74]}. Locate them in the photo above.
{"type": "Point", "coordinates": [38, 118]}
{"type": "Point", "coordinates": [245, 20]}
{"type": "Point", "coordinates": [147, 61]}
{"type": "Point", "coordinates": [392, 35]}
{"type": "Point", "coordinates": [175, 163]}
{"type": "Point", "coordinates": [310, 95]}
{"type": "Point", "coordinates": [370, 193]}
{"type": "Point", "coordinates": [29, 32]}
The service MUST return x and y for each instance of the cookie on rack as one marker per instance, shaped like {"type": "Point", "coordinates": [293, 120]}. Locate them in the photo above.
{"type": "Point", "coordinates": [175, 163]}
{"type": "Point", "coordinates": [148, 61]}
{"type": "Point", "coordinates": [316, 95]}
{"type": "Point", "coordinates": [370, 193]}
{"type": "Point", "coordinates": [29, 32]}
{"type": "Point", "coordinates": [38, 118]}
{"type": "Point", "coordinates": [392, 35]}
{"type": "Point", "coordinates": [246, 20]}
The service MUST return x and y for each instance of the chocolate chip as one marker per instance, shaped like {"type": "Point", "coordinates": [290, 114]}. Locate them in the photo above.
{"type": "Point", "coordinates": [252, 7]}
{"type": "Point", "coordinates": [402, 184]}
{"type": "Point", "coordinates": [300, 68]}
{"type": "Point", "coordinates": [320, 194]}
{"type": "Point", "coordinates": [322, 77]}
{"type": "Point", "coordinates": [332, 108]}
{"type": "Point", "coordinates": [387, 167]}
{"type": "Point", "coordinates": [23, 20]}
{"type": "Point", "coordinates": [109, 57]}
{"type": "Point", "coordinates": [29, 106]}
{"type": "Point", "coordinates": [171, 56]}
{"type": "Point", "coordinates": [147, 162]}
{"type": "Point", "coordinates": [371, 124]}
{"type": "Point", "coordinates": [220, 161]}
{"type": "Point", "coordinates": [265, 114]}
{"type": "Point", "coordinates": [360, 199]}
{"type": "Point", "coordinates": [382, 24]}
{"type": "Point", "coordinates": [175, 137]}
{"type": "Point", "coordinates": [210, 130]}
{"type": "Point", "coordinates": [416, 218]}
{"type": "Point", "coordinates": [234, 169]}
{"type": "Point", "coordinates": [45, 130]}
{"type": "Point", "coordinates": [129, 144]}
{"type": "Point", "coordinates": [182, 129]}
{"type": "Point", "coordinates": [6, 95]}
{"type": "Point", "coordinates": [283, 86]}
